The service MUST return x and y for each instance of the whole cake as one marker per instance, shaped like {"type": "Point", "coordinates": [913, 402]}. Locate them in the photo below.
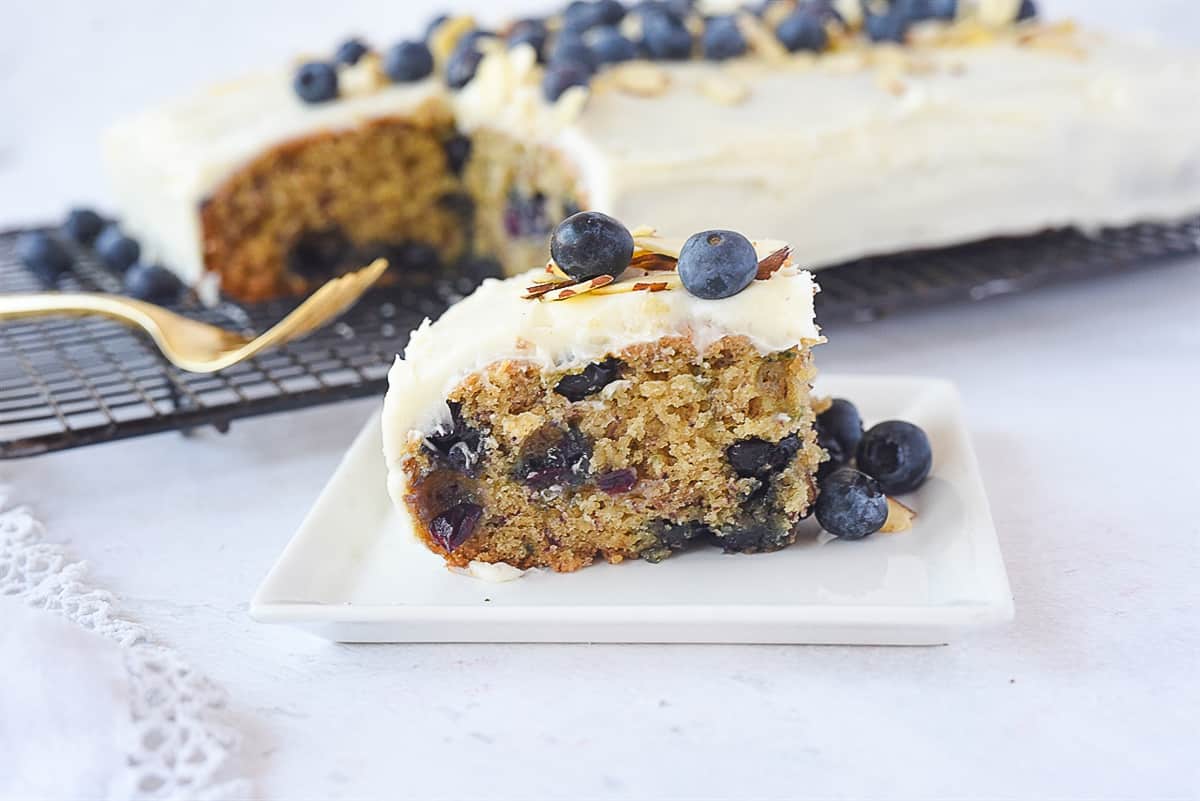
{"type": "Point", "coordinates": [851, 128]}
{"type": "Point", "coordinates": [638, 395]}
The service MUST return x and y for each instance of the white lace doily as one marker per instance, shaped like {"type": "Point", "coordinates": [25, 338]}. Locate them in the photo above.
{"type": "Point", "coordinates": [175, 744]}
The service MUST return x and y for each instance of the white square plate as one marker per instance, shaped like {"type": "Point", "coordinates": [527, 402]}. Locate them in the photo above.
{"type": "Point", "coordinates": [352, 572]}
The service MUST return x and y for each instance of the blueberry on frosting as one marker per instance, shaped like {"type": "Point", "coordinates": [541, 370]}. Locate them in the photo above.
{"type": "Point", "coordinates": [350, 51]}
{"type": "Point", "coordinates": [589, 244]}
{"type": "Point", "coordinates": [83, 225]}
{"type": "Point", "coordinates": [717, 264]}
{"type": "Point", "coordinates": [316, 82]}
{"type": "Point", "coordinates": [802, 30]}
{"type": "Point", "coordinates": [722, 39]}
{"type": "Point", "coordinates": [407, 62]}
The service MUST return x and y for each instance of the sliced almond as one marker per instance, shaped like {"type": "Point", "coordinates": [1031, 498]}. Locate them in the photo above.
{"type": "Point", "coordinates": [900, 517]}
{"type": "Point", "coordinates": [446, 36]}
{"type": "Point", "coordinates": [537, 290]}
{"type": "Point", "coordinates": [652, 262]}
{"type": "Point", "coordinates": [668, 281]}
{"type": "Point", "coordinates": [768, 266]}
{"type": "Point", "coordinates": [556, 271]}
{"type": "Point", "coordinates": [640, 78]}
{"type": "Point", "coordinates": [642, 231]}
{"type": "Point", "coordinates": [724, 89]}
{"type": "Point", "coordinates": [761, 39]}
{"type": "Point", "coordinates": [582, 288]}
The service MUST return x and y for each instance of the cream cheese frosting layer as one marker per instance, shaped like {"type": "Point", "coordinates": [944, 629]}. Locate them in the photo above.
{"type": "Point", "coordinates": [875, 149]}
{"type": "Point", "coordinates": [496, 324]}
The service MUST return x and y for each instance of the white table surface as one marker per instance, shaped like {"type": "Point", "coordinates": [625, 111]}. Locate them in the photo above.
{"type": "Point", "coordinates": [1080, 400]}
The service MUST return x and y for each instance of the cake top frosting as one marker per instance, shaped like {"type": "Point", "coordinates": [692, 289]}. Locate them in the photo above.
{"type": "Point", "coordinates": [501, 321]}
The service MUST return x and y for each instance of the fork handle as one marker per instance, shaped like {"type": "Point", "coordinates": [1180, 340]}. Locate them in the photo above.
{"type": "Point", "coordinates": [19, 305]}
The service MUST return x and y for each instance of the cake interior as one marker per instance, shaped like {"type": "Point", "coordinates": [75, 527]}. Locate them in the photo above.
{"type": "Point", "coordinates": [412, 189]}
{"type": "Point", "coordinates": [648, 451]}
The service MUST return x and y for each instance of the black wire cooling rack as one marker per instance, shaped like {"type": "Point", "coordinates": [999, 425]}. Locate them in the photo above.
{"type": "Point", "coordinates": [79, 381]}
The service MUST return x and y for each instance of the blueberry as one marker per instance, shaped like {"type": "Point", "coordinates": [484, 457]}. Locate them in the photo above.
{"type": "Point", "coordinates": [617, 482]}
{"type": "Point", "coordinates": [417, 257]}
{"type": "Point", "coordinates": [562, 76]}
{"type": "Point", "coordinates": [665, 37]}
{"type": "Point", "coordinates": [455, 526]}
{"type": "Point", "coordinates": [751, 535]}
{"type": "Point", "coordinates": [116, 250]}
{"type": "Point", "coordinates": [582, 15]}
{"type": "Point", "coordinates": [153, 283]}
{"type": "Point", "coordinates": [350, 51]}
{"type": "Point", "coordinates": [897, 454]}
{"type": "Point", "coordinates": [610, 46]}
{"type": "Point", "coordinates": [407, 62]}
{"type": "Point", "coordinates": [757, 458]}
{"type": "Point", "coordinates": [531, 32]}
{"type": "Point", "coordinates": [44, 255]}
{"type": "Point", "coordinates": [722, 39]}
{"type": "Point", "coordinates": [571, 48]}
{"type": "Point", "coordinates": [83, 225]}
{"type": "Point", "coordinates": [921, 10]}
{"type": "Point", "coordinates": [851, 505]}
{"type": "Point", "coordinates": [803, 30]}
{"type": "Point", "coordinates": [458, 150]}
{"type": "Point", "coordinates": [593, 378]}
{"type": "Point", "coordinates": [889, 27]}
{"type": "Point", "coordinates": [565, 461]}
{"type": "Point", "coordinates": [457, 444]}
{"type": "Point", "coordinates": [1028, 10]}
{"type": "Point", "coordinates": [317, 255]}
{"type": "Point", "coordinates": [316, 82]}
{"type": "Point", "coordinates": [589, 244]}
{"type": "Point", "coordinates": [678, 10]}
{"type": "Point", "coordinates": [842, 424]}
{"type": "Point", "coordinates": [717, 264]}
{"type": "Point", "coordinates": [671, 536]}
{"type": "Point", "coordinates": [461, 66]}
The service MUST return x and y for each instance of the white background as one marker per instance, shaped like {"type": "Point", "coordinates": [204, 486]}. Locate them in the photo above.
{"type": "Point", "coordinates": [1080, 400]}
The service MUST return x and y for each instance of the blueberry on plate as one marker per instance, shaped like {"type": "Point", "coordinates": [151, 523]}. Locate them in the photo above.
{"type": "Point", "coordinates": [316, 82]}
{"type": "Point", "coordinates": [717, 264]}
{"type": "Point", "coordinates": [561, 76]}
{"type": "Point", "coordinates": [802, 30]}
{"type": "Point", "coordinates": [851, 505]}
{"type": "Point", "coordinates": [571, 49]}
{"type": "Point", "coordinates": [589, 244]}
{"type": "Point", "coordinates": [152, 283]}
{"type": "Point", "coordinates": [83, 225]}
{"type": "Point", "coordinates": [1028, 10]}
{"type": "Point", "coordinates": [722, 39]}
{"type": "Point", "coordinates": [841, 423]}
{"type": "Point", "coordinates": [610, 46]}
{"type": "Point", "coordinates": [350, 51]}
{"type": "Point", "coordinates": [461, 66]}
{"type": "Point", "coordinates": [116, 250]}
{"type": "Point", "coordinates": [407, 62]}
{"type": "Point", "coordinates": [897, 455]}
{"type": "Point", "coordinates": [44, 255]}
{"type": "Point", "coordinates": [665, 37]}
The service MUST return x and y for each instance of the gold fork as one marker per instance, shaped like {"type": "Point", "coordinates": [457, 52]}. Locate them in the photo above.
{"type": "Point", "coordinates": [194, 346]}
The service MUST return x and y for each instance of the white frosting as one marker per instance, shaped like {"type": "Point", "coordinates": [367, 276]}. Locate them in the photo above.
{"type": "Point", "coordinates": [495, 324]}
{"type": "Point", "coordinates": [996, 139]}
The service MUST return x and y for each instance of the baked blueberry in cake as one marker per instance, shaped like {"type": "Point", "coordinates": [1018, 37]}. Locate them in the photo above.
{"type": "Point", "coordinates": [601, 409]}
{"type": "Point", "coordinates": [848, 127]}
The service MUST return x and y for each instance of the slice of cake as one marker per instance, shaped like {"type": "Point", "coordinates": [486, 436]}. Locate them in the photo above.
{"type": "Point", "coordinates": [914, 124]}
{"type": "Point", "coordinates": [638, 395]}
